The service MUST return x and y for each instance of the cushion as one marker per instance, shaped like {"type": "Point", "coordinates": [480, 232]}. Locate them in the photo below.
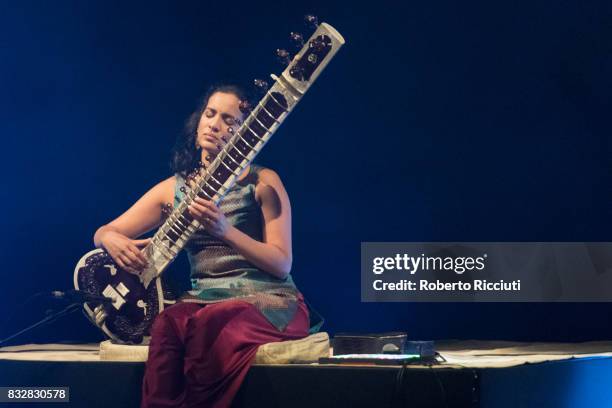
{"type": "Point", "coordinates": [302, 351]}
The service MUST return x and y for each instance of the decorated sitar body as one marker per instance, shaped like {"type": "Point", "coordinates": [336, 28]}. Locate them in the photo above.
{"type": "Point", "coordinates": [137, 299]}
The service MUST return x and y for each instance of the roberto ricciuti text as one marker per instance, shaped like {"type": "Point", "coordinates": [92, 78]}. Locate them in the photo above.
{"type": "Point", "coordinates": [461, 286]}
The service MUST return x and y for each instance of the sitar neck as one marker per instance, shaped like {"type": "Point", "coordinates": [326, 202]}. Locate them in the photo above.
{"type": "Point", "coordinates": [214, 181]}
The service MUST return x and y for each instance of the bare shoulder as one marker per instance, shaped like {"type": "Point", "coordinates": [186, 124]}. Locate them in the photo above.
{"type": "Point", "coordinates": [269, 187]}
{"type": "Point", "coordinates": [268, 177]}
{"type": "Point", "coordinates": [164, 190]}
{"type": "Point", "coordinates": [167, 184]}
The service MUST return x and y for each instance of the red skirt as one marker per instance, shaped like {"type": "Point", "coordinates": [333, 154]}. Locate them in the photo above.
{"type": "Point", "coordinates": [199, 355]}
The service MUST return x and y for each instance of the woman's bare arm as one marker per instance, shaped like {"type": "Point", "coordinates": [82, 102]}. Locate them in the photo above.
{"type": "Point", "coordinates": [118, 236]}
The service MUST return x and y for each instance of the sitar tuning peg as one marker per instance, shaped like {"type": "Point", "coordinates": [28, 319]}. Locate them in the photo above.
{"type": "Point", "coordinates": [283, 56]}
{"type": "Point", "coordinates": [317, 44]}
{"type": "Point", "coordinates": [311, 21]}
{"type": "Point", "coordinates": [262, 86]}
{"type": "Point", "coordinates": [297, 72]}
{"type": "Point", "coordinates": [245, 107]}
{"type": "Point", "coordinates": [297, 39]}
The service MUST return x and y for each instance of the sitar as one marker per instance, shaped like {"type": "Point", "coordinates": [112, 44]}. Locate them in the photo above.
{"type": "Point", "coordinates": [137, 299]}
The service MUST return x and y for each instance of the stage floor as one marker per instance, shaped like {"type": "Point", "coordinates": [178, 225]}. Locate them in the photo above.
{"type": "Point", "coordinates": [477, 374]}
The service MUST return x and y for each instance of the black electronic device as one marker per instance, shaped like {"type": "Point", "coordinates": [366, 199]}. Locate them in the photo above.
{"type": "Point", "coordinates": [370, 343]}
{"type": "Point", "coordinates": [391, 348]}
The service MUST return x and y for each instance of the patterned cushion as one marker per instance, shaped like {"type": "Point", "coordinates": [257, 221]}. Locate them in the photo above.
{"type": "Point", "coordinates": [302, 351]}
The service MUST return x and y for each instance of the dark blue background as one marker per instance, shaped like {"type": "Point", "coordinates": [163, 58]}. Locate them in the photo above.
{"type": "Point", "coordinates": [438, 121]}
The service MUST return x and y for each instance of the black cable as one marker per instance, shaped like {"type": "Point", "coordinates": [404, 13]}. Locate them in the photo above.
{"type": "Point", "coordinates": [399, 398]}
{"type": "Point", "coordinates": [19, 307]}
{"type": "Point", "coordinates": [440, 385]}
{"type": "Point", "coordinates": [46, 320]}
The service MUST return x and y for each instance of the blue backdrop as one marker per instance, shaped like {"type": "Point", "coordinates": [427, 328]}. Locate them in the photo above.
{"type": "Point", "coordinates": [438, 121]}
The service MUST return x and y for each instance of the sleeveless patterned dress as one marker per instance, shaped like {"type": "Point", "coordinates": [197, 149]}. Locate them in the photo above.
{"type": "Point", "coordinates": [219, 272]}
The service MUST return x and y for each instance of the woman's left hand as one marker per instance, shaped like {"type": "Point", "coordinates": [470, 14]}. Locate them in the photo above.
{"type": "Point", "coordinates": [210, 216]}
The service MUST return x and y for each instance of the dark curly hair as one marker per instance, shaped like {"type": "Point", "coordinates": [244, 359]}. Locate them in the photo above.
{"type": "Point", "coordinates": [185, 154]}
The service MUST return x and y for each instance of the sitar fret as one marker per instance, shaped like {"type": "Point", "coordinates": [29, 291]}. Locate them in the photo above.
{"type": "Point", "coordinates": [254, 136]}
{"type": "Point", "coordinates": [259, 124]}
{"type": "Point", "coordinates": [253, 141]}
{"type": "Point", "coordinates": [205, 192]}
{"type": "Point", "coordinates": [230, 170]}
{"type": "Point", "coordinates": [238, 165]}
{"type": "Point", "coordinates": [268, 113]}
{"type": "Point", "coordinates": [178, 221]}
{"type": "Point", "coordinates": [171, 228]}
{"type": "Point", "coordinates": [160, 243]}
{"type": "Point", "coordinates": [281, 105]}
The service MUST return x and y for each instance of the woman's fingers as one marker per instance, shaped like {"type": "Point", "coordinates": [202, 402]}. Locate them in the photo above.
{"type": "Point", "coordinates": [209, 214]}
{"type": "Point", "coordinates": [129, 257]}
{"type": "Point", "coordinates": [202, 213]}
{"type": "Point", "coordinates": [207, 203]}
{"type": "Point", "coordinates": [141, 242]}
{"type": "Point", "coordinates": [141, 258]}
{"type": "Point", "coordinates": [128, 263]}
{"type": "Point", "coordinates": [137, 259]}
{"type": "Point", "coordinates": [126, 252]}
{"type": "Point", "coordinates": [119, 262]}
{"type": "Point", "coordinates": [125, 261]}
{"type": "Point", "coordinates": [201, 203]}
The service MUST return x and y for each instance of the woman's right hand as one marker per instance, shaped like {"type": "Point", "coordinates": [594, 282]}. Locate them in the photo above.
{"type": "Point", "coordinates": [125, 251]}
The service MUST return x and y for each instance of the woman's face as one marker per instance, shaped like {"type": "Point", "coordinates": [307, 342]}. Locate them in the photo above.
{"type": "Point", "coordinates": [222, 112]}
